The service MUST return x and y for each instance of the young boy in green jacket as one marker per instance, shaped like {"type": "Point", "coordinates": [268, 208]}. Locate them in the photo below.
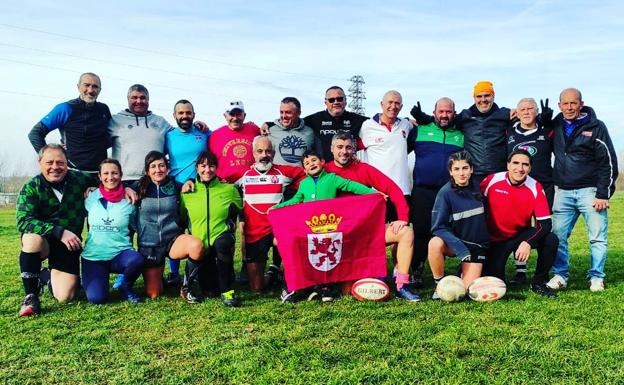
{"type": "Point", "coordinates": [320, 184]}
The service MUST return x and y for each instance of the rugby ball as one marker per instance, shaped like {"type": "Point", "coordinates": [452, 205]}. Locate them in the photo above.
{"type": "Point", "coordinates": [451, 289]}
{"type": "Point", "coordinates": [487, 289]}
{"type": "Point", "coordinates": [370, 289]}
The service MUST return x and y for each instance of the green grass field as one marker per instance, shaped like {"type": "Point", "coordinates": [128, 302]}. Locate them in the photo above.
{"type": "Point", "coordinates": [577, 338]}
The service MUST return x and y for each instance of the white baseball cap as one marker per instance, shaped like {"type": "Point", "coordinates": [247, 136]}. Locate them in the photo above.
{"type": "Point", "coordinates": [234, 105]}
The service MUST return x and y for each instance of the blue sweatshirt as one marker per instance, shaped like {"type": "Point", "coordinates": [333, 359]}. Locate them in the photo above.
{"type": "Point", "coordinates": [458, 217]}
{"type": "Point", "coordinates": [108, 234]}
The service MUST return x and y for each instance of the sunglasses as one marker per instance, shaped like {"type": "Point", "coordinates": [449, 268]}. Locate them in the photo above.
{"type": "Point", "coordinates": [339, 99]}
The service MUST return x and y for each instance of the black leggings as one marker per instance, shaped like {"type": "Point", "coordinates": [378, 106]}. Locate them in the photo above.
{"type": "Point", "coordinates": [421, 204]}
{"type": "Point", "coordinates": [499, 252]}
{"type": "Point", "coordinates": [215, 273]}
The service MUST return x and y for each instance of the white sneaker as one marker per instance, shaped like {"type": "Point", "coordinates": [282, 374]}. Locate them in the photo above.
{"type": "Point", "coordinates": [596, 284]}
{"type": "Point", "coordinates": [557, 282]}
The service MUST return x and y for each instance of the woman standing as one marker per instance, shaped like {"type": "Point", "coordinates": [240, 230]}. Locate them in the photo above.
{"type": "Point", "coordinates": [211, 210]}
{"type": "Point", "coordinates": [108, 248]}
{"type": "Point", "coordinates": [159, 231]}
{"type": "Point", "coordinates": [458, 223]}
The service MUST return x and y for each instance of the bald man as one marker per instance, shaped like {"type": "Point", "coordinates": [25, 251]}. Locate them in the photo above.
{"type": "Point", "coordinates": [585, 172]}
{"type": "Point", "coordinates": [384, 142]}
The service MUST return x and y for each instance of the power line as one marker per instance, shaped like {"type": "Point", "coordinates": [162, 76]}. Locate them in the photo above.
{"type": "Point", "coordinates": [167, 53]}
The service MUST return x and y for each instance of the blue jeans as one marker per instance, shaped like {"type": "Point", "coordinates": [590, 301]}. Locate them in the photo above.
{"type": "Point", "coordinates": [95, 274]}
{"type": "Point", "coordinates": [569, 204]}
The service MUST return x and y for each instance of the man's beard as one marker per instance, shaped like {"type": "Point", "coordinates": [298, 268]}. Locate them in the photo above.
{"type": "Point", "coordinates": [185, 124]}
{"type": "Point", "coordinates": [263, 165]}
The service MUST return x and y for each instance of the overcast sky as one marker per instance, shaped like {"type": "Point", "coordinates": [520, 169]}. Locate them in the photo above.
{"type": "Point", "coordinates": [211, 52]}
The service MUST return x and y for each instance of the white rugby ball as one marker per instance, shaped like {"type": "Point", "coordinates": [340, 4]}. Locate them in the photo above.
{"type": "Point", "coordinates": [487, 289]}
{"type": "Point", "coordinates": [451, 289]}
{"type": "Point", "coordinates": [370, 289]}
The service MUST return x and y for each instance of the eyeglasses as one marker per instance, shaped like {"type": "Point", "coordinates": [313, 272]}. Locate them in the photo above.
{"type": "Point", "coordinates": [338, 99]}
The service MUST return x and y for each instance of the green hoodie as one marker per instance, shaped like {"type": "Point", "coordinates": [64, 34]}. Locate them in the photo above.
{"type": "Point", "coordinates": [324, 187]}
{"type": "Point", "coordinates": [208, 221]}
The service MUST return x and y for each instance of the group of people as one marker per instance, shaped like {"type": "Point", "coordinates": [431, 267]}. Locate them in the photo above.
{"type": "Point", "coordinates": [482, 187]}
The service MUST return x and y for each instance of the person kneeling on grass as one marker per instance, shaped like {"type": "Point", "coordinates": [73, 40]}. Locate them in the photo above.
{"type": "Point", "coordinates": [458, 223]}
{"type": "Point", "coordinates": [159, 229]}
{"type": "Point", "coordinates": [108, 248]}
{"type": "Point", "coordinates": [319, 185]}
{"type": "Point", "coordinates": [50, 220]}
{"type": "Point", "coordinates": [513, 200]}
{"type": "Point", "coordinates": [211, 210]}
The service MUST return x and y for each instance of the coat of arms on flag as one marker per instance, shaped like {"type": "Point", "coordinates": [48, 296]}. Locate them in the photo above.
{"type": "Point", "coordinates": [331, 240]}
{"type": "Point", "coordinates": [325, 245]}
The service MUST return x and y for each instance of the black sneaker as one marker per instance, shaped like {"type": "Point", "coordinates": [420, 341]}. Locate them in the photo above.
{"type": "Point", "coordinates": [543, 290]}
{"type": "Point", "coordinates": [229, 299]}
{"type": "Point", "coordinates": [519, 279]}
{"type": "Point", "coordinates": [173, 280]}
{"type": "Point", "coordinates": [271, 276]}
{"type": "Point", "coordinates": [243, 277]}
{"type": "Point", "coordinates": [30, 306]}
{"type": "Point", "coordinates": [188, 296]}
{"type": "Point", "coordinates": [290, 296]}
{"type": "Point", "coordinates": [326, 294]}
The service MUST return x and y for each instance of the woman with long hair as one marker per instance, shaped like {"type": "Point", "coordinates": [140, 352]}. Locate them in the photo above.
{"type": "Point", "coordinates": [458, 223]}
{"type": "Point", "coordinates": [159, 229]}
{"type": "Point", "coordinates": [108, 248]}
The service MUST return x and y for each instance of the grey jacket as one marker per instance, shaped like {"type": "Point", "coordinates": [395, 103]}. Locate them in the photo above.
{"type": "Point", "coordinates": [290, 143]}
{"type": "Point", "coordinates": [133, 137]}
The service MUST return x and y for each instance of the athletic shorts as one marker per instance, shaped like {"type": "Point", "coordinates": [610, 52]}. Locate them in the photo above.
{"type": "Point", "coordinates": [259, 251]}
{"type": "Point", "coordinates": [155, 256]}
{"type": "Point", "coordinates": [474, 257]}
{"type": "Point", "coordinates": [61, 258]}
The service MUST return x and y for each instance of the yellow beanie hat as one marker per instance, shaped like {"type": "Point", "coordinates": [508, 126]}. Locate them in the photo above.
{"type": "Point", "coordinates": [483, 86]}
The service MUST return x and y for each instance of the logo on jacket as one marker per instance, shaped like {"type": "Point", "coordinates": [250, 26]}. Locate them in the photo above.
{"type": "Point", "coordinates": [325, 245]}
{"type": "Point", "coordinates": [291, 148]}
{"type": "Point", "coordinates": [107, 226]}
{"type": "Point", "coordinates": [532, 150]}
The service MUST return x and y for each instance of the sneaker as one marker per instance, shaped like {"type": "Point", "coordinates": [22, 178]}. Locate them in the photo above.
{"type": "Point", "coordinates": [326, 294]}
{"type": "Point", "coordinates": [313, 295]}
{"type": "Point", "coordinates": [408, 295]}
{"type": "Point", "coordinates": [290, 296]}
{"type": "Point", "coordinates": [188, 296]}
{"type": "Point", "coordinates": [118, 281]}
{"type": "Point", "coordinates": [557, 282]}
{"type": "Point", "coordinates": [229, 299]}
{"type": "Point", "coordinates": [128, 293]}
{"type": "Point", "coordinates": [271, 276]}
{"type": "Point", "coordinates": [44, 280]}
{"type": "Point", "coordinates": [543, 290]}
{"type": "Point", "coordinates": [519, 279]}
{"type": "Point", "coordinates": [30, 306]}
{"type": "Point", "coordinates": [173, 279]}
{"type": "Point", "coordinates": [435, 296]}
{"type": "Point", "coordinates": [596, 285]}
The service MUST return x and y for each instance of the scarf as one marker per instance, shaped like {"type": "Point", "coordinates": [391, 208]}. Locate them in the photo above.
{"type": "Point", "coordinates": [113, 196]}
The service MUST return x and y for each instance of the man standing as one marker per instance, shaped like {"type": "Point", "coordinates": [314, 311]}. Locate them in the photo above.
{"type": "Point", "coordinates": [398, 231]}
{"type": "Point", "coordinates": [335, 118]}
{"type": "Point", "coordinates": [136, 131]}
{"type": "Point", "coordinates": [50, 218]}
{"type": "Point", "coordinates": [325, 124]}
{"type": "Point", "coordinates": [512, 201]}
{"type": "Point", "coordinates": [384, 139]}
{"type": "Point", "coordinates": [432, 144]}
{"type": "Point", "coordinates": [484, 125]}
{"type": "Point", "coordinates": [184, 143]}
{"type": "Point", "coordinates": [232, 143]}
{"type": "Point", "coordinates": [585, 172]}
{"type": "Point", "coordinates": [263, 187]}
{"type": "Point", "coordinates": [290, 136]}
{"type": "Point", "coordinates": [83, 124]}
